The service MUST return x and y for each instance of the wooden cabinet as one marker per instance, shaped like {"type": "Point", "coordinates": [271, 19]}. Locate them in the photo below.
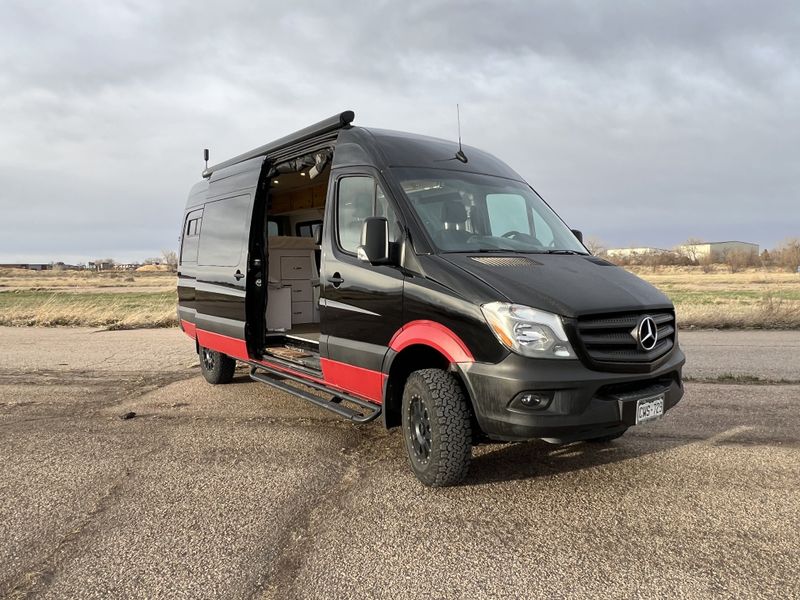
{"type": "Point", "coordinates": [292, 264]}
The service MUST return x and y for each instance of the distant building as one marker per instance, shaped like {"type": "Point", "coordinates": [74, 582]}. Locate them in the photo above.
{"type": "Point", "coordinates": [716, 251]}
{"type": "Point", "coordinates": [635, 252]}
{"type": "Point", "coordinates": [100, 265]}
{"type": "Point", "coordinates": [28, 266]}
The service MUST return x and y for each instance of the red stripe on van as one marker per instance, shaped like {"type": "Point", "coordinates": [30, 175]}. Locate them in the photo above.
{"type": "Point", "coordinates": [435, 335]}
{"type": "Point", "coordinates": [189, 328]}
{"type": "Point", "coordinates": [355, 380]}
{"type": "Point", "coordinates": [233, 347]}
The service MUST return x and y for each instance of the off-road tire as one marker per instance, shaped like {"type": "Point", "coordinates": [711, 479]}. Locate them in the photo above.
{"type": "Point", "coordinates": [216, 367]}
{"type": "Point", "coordinates": [440, 401]}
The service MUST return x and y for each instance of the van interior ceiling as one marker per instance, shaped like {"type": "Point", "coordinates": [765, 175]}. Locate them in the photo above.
{"type": "Point", "coordinates": [296, 206]}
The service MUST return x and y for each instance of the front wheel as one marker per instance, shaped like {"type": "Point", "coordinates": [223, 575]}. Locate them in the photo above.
{"type": "Point", "coordinates": [216, 367]}
{"type": "Point", "coordinates": [437, 428]}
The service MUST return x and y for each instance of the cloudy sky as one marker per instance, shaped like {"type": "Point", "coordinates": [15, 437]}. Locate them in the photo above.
{"type": "Point", "coordinates": [640, 122]}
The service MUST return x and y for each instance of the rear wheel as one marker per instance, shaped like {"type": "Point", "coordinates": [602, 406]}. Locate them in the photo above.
{"type": "Point", "coordinates": [436, 427]}
{"type": "Point", "coordinates": [215, 366]}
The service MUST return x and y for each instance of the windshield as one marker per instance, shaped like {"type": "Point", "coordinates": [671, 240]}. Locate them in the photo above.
{"type": "Point", "coordinates": [467, 212]}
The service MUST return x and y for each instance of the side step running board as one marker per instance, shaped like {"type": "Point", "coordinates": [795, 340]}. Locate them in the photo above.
{"type": "Point", "coordinates": [370, 412]}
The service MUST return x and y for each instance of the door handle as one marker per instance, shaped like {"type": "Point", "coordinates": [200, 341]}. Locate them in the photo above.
{"type": "Point", "coordinates": [238, 275]}
{"type": "Point", "coordinates": [336, 280]}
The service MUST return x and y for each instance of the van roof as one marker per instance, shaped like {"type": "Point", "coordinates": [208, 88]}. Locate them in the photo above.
{"type": "Point", "coordinates": [359, 146]}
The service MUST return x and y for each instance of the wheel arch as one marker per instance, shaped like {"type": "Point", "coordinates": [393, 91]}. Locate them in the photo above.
{"type": "Point", "coordinates": [420, 345]}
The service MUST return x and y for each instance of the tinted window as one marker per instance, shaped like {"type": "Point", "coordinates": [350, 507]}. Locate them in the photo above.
{"type": "Point", "coordinates": [189, 240]}
{"type": "Point", "coordinates": [361, 197]}
{"type": "Point", "coordinates": [224, 231]}
{"type": "Point", "coordinates": [308, 228]}
{"type": "Point", "coordinates": [383, 208]}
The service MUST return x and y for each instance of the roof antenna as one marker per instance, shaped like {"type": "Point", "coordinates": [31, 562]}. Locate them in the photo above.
{"type": "Point", "coordinates": [205, 157]}
{"type": "Point", "coordinates": [460, 154]}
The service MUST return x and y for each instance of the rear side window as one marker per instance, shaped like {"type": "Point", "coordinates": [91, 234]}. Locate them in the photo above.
{"type": "Point", "coordinates": [308, 228]}
{"type": "Point", "coordinates": [224, 231]}
{"type": "Point", "coordinates": [190, 237]}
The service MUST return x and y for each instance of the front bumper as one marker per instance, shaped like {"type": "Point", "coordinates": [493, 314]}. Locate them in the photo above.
{"type": "Point", "coordinates": [585, 403]}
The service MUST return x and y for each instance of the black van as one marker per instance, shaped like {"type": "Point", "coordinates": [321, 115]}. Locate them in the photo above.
{"type": "Point", "coordinates": [377, 273]}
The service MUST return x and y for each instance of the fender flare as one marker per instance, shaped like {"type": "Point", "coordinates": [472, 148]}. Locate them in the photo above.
{"type": "Point", "coordinates": [425, 333]}
{"type": "Point", "coordinates": [434, 335]}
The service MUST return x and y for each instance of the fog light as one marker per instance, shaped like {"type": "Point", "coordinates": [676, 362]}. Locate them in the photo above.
{"type": "Point", "coordinates": [533, 399]}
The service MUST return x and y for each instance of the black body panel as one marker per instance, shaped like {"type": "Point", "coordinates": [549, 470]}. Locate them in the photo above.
{"type": "Point", "coordinates": [361, 305]}
{"type": "Point", "coordinates": [441, 294]}
{"type": "Point", "coordinates": [568, 285]}
{"type": "Point", "coordinates": [220, 289]}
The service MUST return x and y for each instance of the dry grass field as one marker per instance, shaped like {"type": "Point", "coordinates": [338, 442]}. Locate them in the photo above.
{"type": "Point", "coordinates": [113, 300]}
{"type": "Point", "coordinates": [754, 298]}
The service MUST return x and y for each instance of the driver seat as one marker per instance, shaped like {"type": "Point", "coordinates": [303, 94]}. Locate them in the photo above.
{"type": "Point", "coordinates": [454, 219]}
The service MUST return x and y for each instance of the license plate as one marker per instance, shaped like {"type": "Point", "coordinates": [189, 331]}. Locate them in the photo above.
{"type": "Point", "coordinates": [649, 409]}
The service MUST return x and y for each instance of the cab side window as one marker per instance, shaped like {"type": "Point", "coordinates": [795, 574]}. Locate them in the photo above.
{"type": "Point", "coordinates": [360, 197]}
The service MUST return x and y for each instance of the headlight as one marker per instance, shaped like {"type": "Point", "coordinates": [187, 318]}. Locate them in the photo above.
{"type": "Point", "coordinates": [528, 331]}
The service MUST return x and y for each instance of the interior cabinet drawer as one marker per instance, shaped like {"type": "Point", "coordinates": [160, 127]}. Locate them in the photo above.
{"type": "Point", "coordinates": [302, 312]}
{"type": "Point", "coordinates": [301, 291]}
{"type": "Point", "coordinates": [295, 267]}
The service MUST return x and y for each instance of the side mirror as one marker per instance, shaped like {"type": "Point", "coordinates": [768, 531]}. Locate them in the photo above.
{"type": "Point", "coordinates": [578, 234]}
{"type": "Point", "coordinates": [318, 235]}
{"type": "Point", "coordinates": [374, 247]}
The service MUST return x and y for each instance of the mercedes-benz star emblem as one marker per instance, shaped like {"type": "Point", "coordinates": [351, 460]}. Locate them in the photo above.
{"type": "Point", "coordinates": [646, 334]}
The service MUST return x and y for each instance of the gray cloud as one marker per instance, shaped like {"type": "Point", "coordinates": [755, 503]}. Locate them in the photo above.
{"type": "Point", "coordinates": [641, 123]}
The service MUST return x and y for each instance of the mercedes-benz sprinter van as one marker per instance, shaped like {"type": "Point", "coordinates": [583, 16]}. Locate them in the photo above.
{"type": "Point", "coordinates": [385, 274]}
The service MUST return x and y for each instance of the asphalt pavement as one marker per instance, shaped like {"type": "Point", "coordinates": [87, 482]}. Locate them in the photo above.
{"type": "Point", "coordinates": [240, 491]}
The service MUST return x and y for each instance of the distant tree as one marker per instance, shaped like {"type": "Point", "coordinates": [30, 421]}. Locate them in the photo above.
{"type": "Point", "coordinates": [787, 255]}
{"type": "Point", "coordinates": [765, 258]}
{"type": "Point", "coordinates": [689, 249]}
{"type": "Point", "coordinates": [740, 259]}
{"type": "Point", "coordinates": [170, 258]}
{"type": "Point", "coordinates": [595, 246]}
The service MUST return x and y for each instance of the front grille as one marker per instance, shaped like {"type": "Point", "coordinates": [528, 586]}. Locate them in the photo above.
{"type": "Point", "coordinates": [638, 388]}
{"type": "Point", "coordinates": [610, 338]}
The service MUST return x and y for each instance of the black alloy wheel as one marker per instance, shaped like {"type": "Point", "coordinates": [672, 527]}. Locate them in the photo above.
{"type": "Point", "coordinates": [216, 367]}
{"type": "Point", "coordinates": [420, 429]}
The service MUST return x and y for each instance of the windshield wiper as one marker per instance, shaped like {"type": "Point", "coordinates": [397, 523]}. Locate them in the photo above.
{"type": "Point", "coordinates": [506, 250]}
{"type": "Point", "coordinates": [563, 252]}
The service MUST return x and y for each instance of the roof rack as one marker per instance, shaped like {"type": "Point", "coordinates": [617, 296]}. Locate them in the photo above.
{"type": "Point", "coordinates": [329, 125]}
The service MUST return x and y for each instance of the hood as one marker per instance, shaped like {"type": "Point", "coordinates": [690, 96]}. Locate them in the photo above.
{"type": "Point", "coordinates": [565, 284]}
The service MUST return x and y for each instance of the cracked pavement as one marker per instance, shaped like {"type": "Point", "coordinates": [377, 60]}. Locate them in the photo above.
{"type": "Point", "coordinates": [240, 491]}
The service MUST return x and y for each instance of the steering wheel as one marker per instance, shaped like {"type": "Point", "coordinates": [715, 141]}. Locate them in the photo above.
{"type": "Point", "coordinates": [513, 234]}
